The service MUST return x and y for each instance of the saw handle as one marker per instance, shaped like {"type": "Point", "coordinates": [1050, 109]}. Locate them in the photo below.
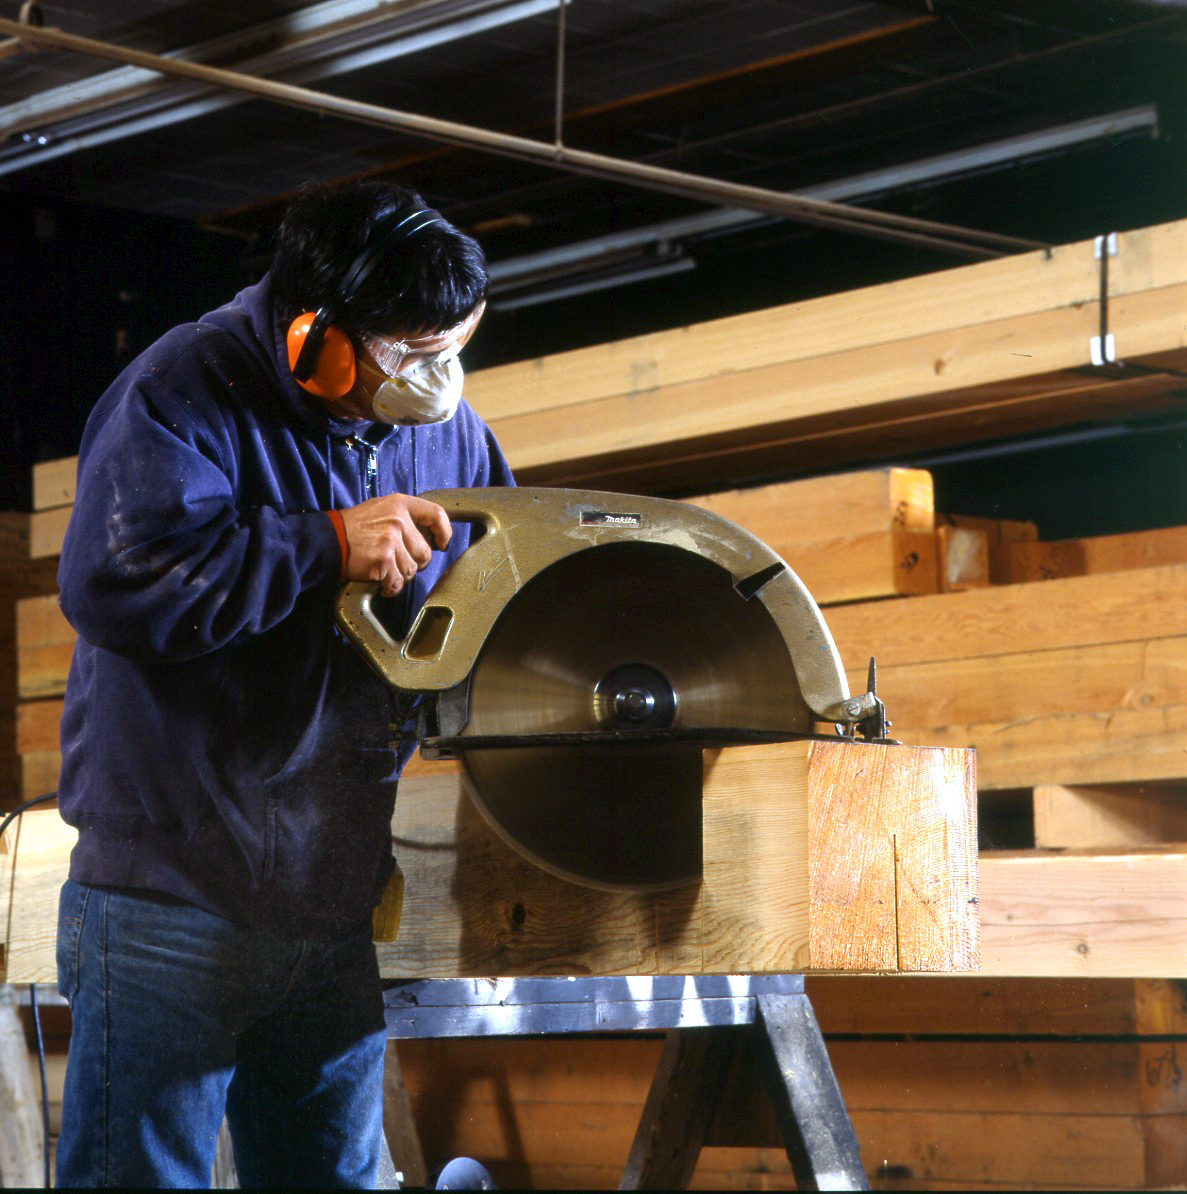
{"type": "Point", "coordinates": [426, 637]}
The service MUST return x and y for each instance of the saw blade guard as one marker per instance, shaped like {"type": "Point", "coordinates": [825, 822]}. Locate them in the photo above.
{"type": "Point", "coordinates": [523, 533]}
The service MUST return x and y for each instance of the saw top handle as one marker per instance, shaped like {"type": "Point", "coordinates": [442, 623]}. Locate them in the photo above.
{"type": "Point", "coordinates": [525, 530]}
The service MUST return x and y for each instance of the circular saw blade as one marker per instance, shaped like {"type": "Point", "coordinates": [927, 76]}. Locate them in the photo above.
{"type": "Point", "coordinates": [627, 627]}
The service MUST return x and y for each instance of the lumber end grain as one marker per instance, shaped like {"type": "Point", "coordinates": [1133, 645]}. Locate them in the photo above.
{"type": "Point", "coordinates": [892, 858]}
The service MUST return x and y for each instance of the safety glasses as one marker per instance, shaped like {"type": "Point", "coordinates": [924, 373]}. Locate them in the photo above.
{"type": "Point", "coordinates": [410, 355]}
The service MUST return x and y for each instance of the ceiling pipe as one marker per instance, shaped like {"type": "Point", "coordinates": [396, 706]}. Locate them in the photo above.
{"type": "Point", "coordinates": [928, 233]}
{"type": "Point", "coordinates": [332, 38]}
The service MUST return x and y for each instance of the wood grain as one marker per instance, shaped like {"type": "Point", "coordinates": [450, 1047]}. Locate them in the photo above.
{"type": "Point", "coordinates": [832, 507]}
{"type": "Point", "coordinates": [54, 483]}
{"type": "Point", "coordinates": [1117, 915]}
{"type": "Point", "coordinates": [1110, 815]}
{"type": "Point", "coordinates": [40, 770]}
{"type": "Point", "coordinates": [1096, 554]}
{"type": "Point", "coordinates": [40, 856]}
{"type": "Point", "coordinates": [939, 1110]}
{"type": "Point", "coordinates": [1124, 746]}
{"type": "Point", "coordinates": [1100, 678]}
{"type": "Point", "coordinates": [750, 405]}
{"type": "Point", "coordinates": [962, 558]}
{"type": "Point", "coordinates": [37, 725]}
{"type": "Point", "coordinates": [1131, 606]}
{"type": "Point", "coordinates": [990, 292]}
{"type": "Point", "coordinates": [972, 1005]}
{"type": "Point", "coordinates": [45, 644]}
{"type": "Point", "coordinates": [474, 907]}
{"type": "Point", "coordinates": [1000, 536]}
{"type": "Point", "coordinates": [21, 1145]}
{"type": "Point", "coordinates": [892, 858]}
{"type": "Point", "coordinates": [47, 529]}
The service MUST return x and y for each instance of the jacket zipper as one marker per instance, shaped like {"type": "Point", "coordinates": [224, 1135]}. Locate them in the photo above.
{"type": "Point", "coordinates": [370, 466]}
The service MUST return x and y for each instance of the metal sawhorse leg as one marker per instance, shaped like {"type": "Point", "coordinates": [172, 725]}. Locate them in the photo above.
{"type": "Point", "coordinates": [696, 1012]}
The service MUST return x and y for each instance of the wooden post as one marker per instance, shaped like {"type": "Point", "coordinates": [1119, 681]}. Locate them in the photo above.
{"type": "Point", "coordinates": [399, 1127]}
{"type": "Point", "coordinates": [679, 1108]}
{"type": "Point", "coordinates": [22, 1155]}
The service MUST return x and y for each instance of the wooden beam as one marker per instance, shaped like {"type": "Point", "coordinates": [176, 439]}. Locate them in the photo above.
{"type": "Point", "coordinates": [1000, 536]}
{"type": "Point", "coordinates": [962, 558]}
{"type": "Point", "coordinates": [40, 845]}
{"type": "Point", "coordinates": [955, 1005]}
{"type": "Point", "coordinates": [839, 506]}
{"type": "Point", "coordinates": [1097, 554]}
{"type": "Point", "coordinates": [770, 399]}
{"type": "Point", "coordinates": [1132, 606]}
{"type": "Point", "coordinates": [37, 725]}
{"type": "Point", "coordinates": [475, 907]}
{"type": "Point", "coordinates": [1110, 815]}
{"type": "Point", "coordinates": [1114, 915]}
{"type": "Point", "coordinates": [950, 302]}
{"type": "Point", "coordinates": [1125, 746]}
{"type": "Point", "coordinates": [1163, 1096]}
{"type": "Point", "coordinates": [895, 889]}
{"type": "Point", "coordinates": [399, 1127]}
{"type": "Point", "coordinates": [54, 483]}
{"type": "Point", "coordinates": [1099, 679]}
{"type": "Point", "coordinates": [859, 567]}
{"type": "Point", "coordinates": [848, 537]}
{"type": "Point", "coordinates": [45, 644]}
{"type": "Point", "coordinates": [47, 529]}
{"type": "Point", "coordinates": [851, 437]}
{"type": "Point", "coordinates": [823, 370]}
{"type": "Point", "coordinates": [39, 773]}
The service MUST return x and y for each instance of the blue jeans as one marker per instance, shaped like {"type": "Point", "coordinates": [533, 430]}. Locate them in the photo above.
{"type": "Point", "coordinates": [180, 1016]}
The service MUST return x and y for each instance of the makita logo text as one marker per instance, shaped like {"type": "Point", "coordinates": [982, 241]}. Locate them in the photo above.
{"type": "Point", "coordinates": [603, 518]}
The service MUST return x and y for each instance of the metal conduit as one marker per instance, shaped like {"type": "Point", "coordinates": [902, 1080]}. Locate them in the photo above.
{"type": "Point", "coordinates": [884, 225]}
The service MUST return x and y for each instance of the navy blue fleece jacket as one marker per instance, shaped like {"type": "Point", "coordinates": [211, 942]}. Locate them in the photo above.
{"type": "Point", "coordinates": [222, 743]}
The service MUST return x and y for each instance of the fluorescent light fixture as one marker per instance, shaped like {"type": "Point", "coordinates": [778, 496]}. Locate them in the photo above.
{"type": "Point", "coordinates": [648, 268]}
{"type": "Point", "coordinates": [991, 155]}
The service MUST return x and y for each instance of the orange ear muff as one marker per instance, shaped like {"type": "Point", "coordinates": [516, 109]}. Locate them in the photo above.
{"type": "Point", "coordinates": [334, 371]}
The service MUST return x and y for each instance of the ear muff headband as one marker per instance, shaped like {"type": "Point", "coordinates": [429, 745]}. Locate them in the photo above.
{"type": "Point", "coordinates": [321, 356]}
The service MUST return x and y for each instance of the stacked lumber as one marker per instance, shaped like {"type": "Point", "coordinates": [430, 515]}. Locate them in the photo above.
{"type": "Point", "coordinates": [998, 348]}
{"type": "Point", "coordinates": [1022, 1084]}
{"type": "Point", "coordinates": [1070, 689]}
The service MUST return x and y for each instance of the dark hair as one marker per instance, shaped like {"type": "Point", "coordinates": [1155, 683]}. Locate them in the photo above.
{"type": "Point", "coordinates": [428, 280]}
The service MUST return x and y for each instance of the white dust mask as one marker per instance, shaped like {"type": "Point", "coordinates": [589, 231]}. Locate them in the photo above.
{"type": "Point", "coordinates": [429, 395]}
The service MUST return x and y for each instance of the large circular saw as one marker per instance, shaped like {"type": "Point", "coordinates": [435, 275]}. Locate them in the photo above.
{"type": "Point", "coordinates": [581, 653]}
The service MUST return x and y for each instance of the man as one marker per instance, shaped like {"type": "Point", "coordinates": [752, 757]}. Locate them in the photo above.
{"type": "Point", "coordinates": [229, 759]}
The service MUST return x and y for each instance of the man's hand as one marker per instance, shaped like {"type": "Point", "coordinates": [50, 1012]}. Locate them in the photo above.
{"type": "Point", "coordinates": [385, 542]}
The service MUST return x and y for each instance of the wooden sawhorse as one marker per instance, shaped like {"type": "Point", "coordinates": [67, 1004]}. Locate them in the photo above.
{"type": "Point", "coordinates": [696, 1013]}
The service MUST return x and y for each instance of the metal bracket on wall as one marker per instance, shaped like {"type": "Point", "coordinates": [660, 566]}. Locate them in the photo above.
{"type": "Point", "coordinates": [1102, 349]}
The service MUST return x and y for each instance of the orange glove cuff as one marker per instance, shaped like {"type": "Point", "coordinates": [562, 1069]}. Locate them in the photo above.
{"type": "Point", "coordinates": [335, 517]}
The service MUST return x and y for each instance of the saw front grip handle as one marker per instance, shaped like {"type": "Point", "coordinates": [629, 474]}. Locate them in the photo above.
{"type": "Point", "coordinates": [433, 655]}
